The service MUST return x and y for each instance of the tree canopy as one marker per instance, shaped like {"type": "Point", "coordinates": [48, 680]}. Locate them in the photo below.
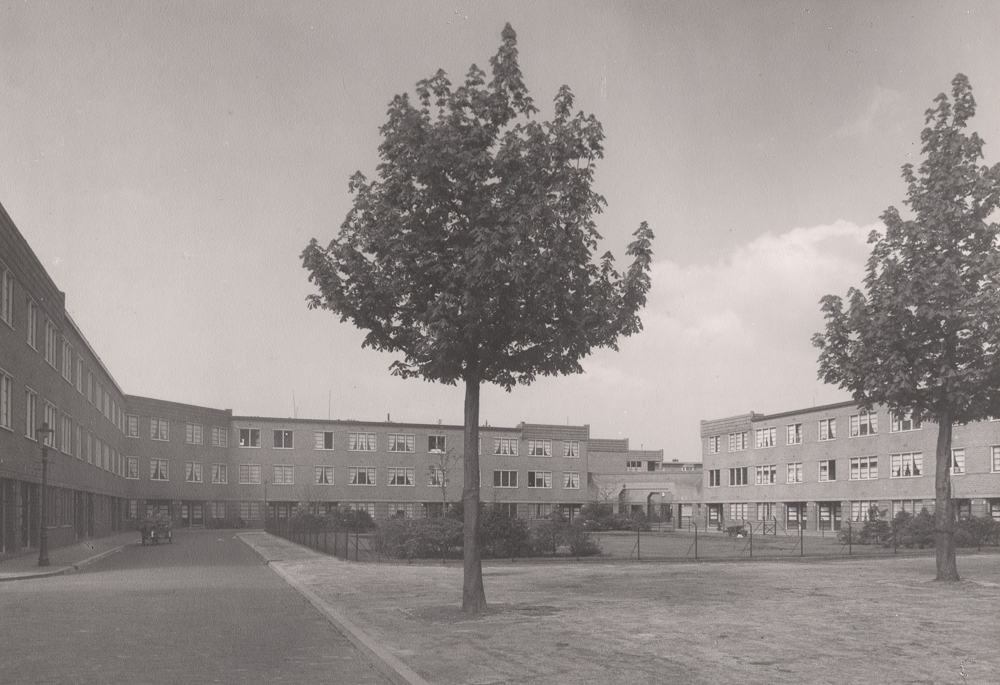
{"type": "Point", "coordinates": [924, 335]}
{"type": "Point", "coordinates": [471, 254]}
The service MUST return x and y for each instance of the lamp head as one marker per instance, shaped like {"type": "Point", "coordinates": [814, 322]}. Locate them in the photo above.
{"type": "Point", "coordinates": [44, 433]}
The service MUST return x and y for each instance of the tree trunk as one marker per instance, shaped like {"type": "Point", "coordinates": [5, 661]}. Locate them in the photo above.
{"type": "Point", "coordinates": [473, 594]}
{"type": "Point", "coordinates": [944, 512]}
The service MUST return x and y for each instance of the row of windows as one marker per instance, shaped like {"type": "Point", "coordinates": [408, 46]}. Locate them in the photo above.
{"type": "Point", "coordinates": [73, 373]}
{"type": "Point", "coordinates": [832, 512]}
{"type": "Point", "coordinates": [283, 474]}
{"type": "Point", "coordinates": [903, 465]}
{"type": "Point", "coordinates": [859, 425]}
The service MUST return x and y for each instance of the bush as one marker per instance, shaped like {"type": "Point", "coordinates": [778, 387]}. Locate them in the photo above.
{"type": "Point", "coordinates": [502, 536]}
{"type": "Point", "coordinates": [977, 531]}
{"type": "Point", "coordinates": [428, 538]}
{"type": "Point", "coordinates": [600, 516]}
{"type": "Point", "coordinates": [914, 531]}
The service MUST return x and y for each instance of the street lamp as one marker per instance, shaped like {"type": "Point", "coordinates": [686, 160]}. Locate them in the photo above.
{"type": "Point", "coordinates": [42, 434]}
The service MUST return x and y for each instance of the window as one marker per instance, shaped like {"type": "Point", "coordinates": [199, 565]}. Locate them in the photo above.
{"type": "Point", "coordinates": [505, 446]}
{"type": "Point", "coordinates": [864, 468]}
{"type": "Point", "coordinates": [323, 440]}
{"type": "Point", "coordinates": [739, 511]}
{"type": "Point", "coordinates": [66, 435]}
{"type": "Point", "coordinates": [249, 474]}
{"type": "Point", "coordinates": [765, 511]}
{"type": "Point", "coordinates": [32, 324]}
{"type": "Point", "coordinates": [737, 442]}
{"type": "Point", "coordinates": [324, 475]}
{"type": "Point", "coordinates": [6, 397]}
{"type": "Point", "coordinates": [864, 424]}
{"type": "Point", "coordinates": [714, 478]}
{"type": "Point", "coordinates": [400, 442]}
{"type": "Point", "coordinates": [539, 479]}
{"type": "Point", "coordinates": [713, 444]}
{"type": "Point", "coordinates": [633, 465]}
{"type": "Point", "coordinates": [220, 473]}
{"type": "Point", "coordinates": [995, 461]}
{"type": "Point", "coordinates": [827, 470]}
{"type": "Point", "coordinates": [31, 413]}
{"type": "Point", "coordinates": [400, 475]}
{"type": "Point", "coordinates": [283, 440]}
{"type": "Point", "coordinates": [132, 468]}
{"type": "Point", "coordinates": [571, 448]}
{"type": "Point", "coordinates": [904, 422]}
{"type": "Point", "coordinates": [436, 476]}
{"type": "Point", "coordinates": [795, 472]}
{"type": "Point", "coordinates": [864, 510]}
{"type": "Point", "coordinates": [79, 375]}
{"type": "Point", "coordinates": [793, 434]}
{"type": "Point", "coordinates": [738, 476]}
{"type": "Point", "coordinates": [435, 443]}
{"type": "Point", "coordinates": [401, 510]}
{"type": "Point", "coordinates": [67, 361]}
{"type": "Point", "coordinates": [51, 336]}
{"type": "Point", "coordinates": [765, 437]}
{"type": "Point", "coordinates": [220, 436]}
{"type": "Point", "coordinates": [958, 462]}
{"type": "Point", "coordinates": [539, 448]}
{"type": "Point", "coordinates": [7, 296]}
{"type": "Point", "coordinates": [571, 480]}
{"type": "Point", "coordinates": [249, 437]}
{"type": "Point", "coordinates": [132, 426]}
{"type": "Point", "coordinates": [158, 469]}
{"type": "Point", "coordinates": [283, 474]}
{"type": "Point", "coordinates": [910, 506]}
{"type": "Point", "coordinates": [49, 419]}
{"type": "Point", "coordinates": [195, 433]}
{"type": "Point", "coordinates": [361, 442]}
{"type": "Point", "coordinates": [159, 429]}
{"type": "Point", "coordinates": [192, 472]}
{"type": "Point", "coordinates": [79, 441]}
{"type": "Point", "coordinates": [361, 475]}
{"type": "Point", "coordinates": [505, 479]}
{"type": "Point", "coordinates": [827, 429]}
{"type": "Point", "coordinates": [766, 474]}
{"type": "Point", "coordinates": [908, 465]}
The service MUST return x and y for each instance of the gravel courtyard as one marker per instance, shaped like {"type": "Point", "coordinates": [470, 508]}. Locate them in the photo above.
{"type": "Point", "coordinates": [853, 621]}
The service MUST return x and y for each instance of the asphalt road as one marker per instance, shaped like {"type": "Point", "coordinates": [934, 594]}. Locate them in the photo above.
{"type": "Point", "coordinates": [204, 609]}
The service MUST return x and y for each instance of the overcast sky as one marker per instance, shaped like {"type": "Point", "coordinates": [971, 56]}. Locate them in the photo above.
{"type": "Point", "coordinates": [168, 162]}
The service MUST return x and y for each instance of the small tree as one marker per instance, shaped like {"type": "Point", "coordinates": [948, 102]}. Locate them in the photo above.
{"type": "Point", "coordinates": [472, 253]}
{"type": "Point", "coordinates": [440, 471]}
{"type": "Point", "coordinates": [924, 336]}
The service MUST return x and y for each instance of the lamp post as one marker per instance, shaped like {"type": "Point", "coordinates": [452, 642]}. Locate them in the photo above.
{"type": "Point", "coordinates": [42, 435]}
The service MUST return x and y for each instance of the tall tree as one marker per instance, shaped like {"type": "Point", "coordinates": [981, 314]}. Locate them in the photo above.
{"type": "Point", "coordinates": [471, 255]}
{"type": "Point", "coordinates": [924, 336]}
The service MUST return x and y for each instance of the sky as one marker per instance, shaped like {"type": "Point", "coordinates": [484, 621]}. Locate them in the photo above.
{"type": "Point", "coordinates": [169, 161]}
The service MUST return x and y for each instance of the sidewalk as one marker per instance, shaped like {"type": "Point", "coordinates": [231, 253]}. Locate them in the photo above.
{"type": "Point", "coordinates": [64, 559]}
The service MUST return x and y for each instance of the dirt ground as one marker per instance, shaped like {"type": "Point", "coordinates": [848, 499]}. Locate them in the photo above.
{"type": "Point", "coordinates": [848, 621]}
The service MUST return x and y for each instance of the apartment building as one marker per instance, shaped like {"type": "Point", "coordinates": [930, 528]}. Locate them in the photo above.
{"type": "Point", "coordinates": [816, 468]}
{"type": "Point", "coordinates": [114, 457]}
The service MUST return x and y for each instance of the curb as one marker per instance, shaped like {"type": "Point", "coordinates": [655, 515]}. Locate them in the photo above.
{"type": "Point", "coordinates": [383, 661]}
{"type": "Point", "coordinates": [61, 570]}
{"type": "Point", "coordinates": [391, 667]}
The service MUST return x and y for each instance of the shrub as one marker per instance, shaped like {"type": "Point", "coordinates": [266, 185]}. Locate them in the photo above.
{"type": "Point", "coordinates": [502, 536]}
{"type": "Point", "coordinates": [977, 531]}
{"type": "Point", "coordinates": [914, 531]}
{"type": "Point", "coordinates": [428, 538]}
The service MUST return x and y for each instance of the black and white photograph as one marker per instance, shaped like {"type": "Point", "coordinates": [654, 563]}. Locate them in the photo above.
{"type": "Point", "coordinates": [476, 342]}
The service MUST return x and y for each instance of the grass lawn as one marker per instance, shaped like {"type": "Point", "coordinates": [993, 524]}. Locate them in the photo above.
{"type": "Point", "coordinates": [882, 620]}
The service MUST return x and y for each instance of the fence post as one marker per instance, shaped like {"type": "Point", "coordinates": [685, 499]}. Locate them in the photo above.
{"type": "Point", "coordinates": [751, 542]}
{"type": "Point", "coordinates": [850, 539]}
{"type": "Point", "coordinates": [357, 540]}
{"type": "Point", "coordinates": [696, 542]}
{"type": "Point", "coordinates": [638, 543]}
{"type": "Point", "coordinates": [802, 547]}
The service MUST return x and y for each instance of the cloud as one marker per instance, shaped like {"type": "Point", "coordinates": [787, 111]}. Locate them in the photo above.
{"type": "Point", "coordinates": [883, 102]}
{"type": "Point", "coordinates": [720, 339]}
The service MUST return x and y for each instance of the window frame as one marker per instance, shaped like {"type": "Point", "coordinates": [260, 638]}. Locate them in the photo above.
{"type": "Point", "coordinates": [793, 434]}
{"type": "Point", "coordinates": [793, 473]}
{"type": "Point", "coordinates": [829, 474]}
{"type": "Point", "coordinates": [193, 472]}
{"type": "Point", "coordinates": [157, 465]}
{"type": "Point", "coordinates": [354, 476]}
{"type": "Point", "coordinates": [536, 477]}
{"type": "Point", "coordinates": [399, 443]}
{"type": "Point", "coordinates": [283, 439]}
{"type": "Point", "coordinates": [765, 438]}
{"type": "Point", "coordinates": [828, 428]}
{"type": "Point", "coordinates": [220, 474]}
{"type": "Point", "coordinates": [155, 432]}
{"type": "Point", "coordinates": [194, 433]}
{"type": "Point", "coordinates": [252, 441]}
{"type": "Point", "coordinates": [250, 470]}
{"type": "Point", "coordinates": [571, 480]}
{"type": "Point", "coordinates": [500, 475]}
{"type": "Point", "coordinates": [863, 425]}
{"type": "Point", "coordinates": [442, 439]}
{"type": "Point", "coordinates": [320, 437]}
{"type": "Point", "coordinates": [541, 447]}
{"type": "Point", "coordinates": [356, 444]}
{"type": "Point", "coordinates": [406, 474]}
{"type": "Point", "coordinates": [859, 465]}
{"type": "Point", "coordinates": [323, 474]}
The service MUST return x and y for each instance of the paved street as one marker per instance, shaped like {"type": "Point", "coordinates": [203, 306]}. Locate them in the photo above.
{"type": "Point", "coordinates": [204, 609]}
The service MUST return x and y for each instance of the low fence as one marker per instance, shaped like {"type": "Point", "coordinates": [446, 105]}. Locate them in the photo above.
{"type": "Point", "coordinates": [690, 544]}
{"type": "Point", "coordinates": [343, 544]}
